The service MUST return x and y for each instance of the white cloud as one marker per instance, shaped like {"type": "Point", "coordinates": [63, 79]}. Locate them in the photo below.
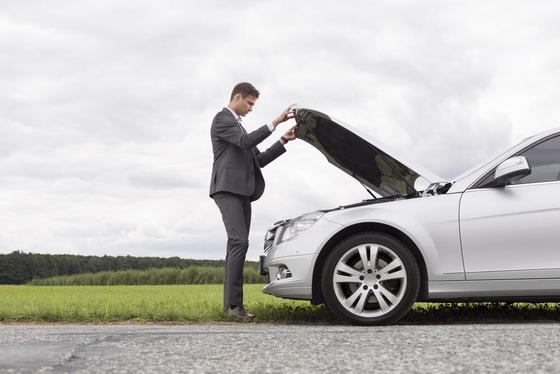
{"type": "Point", "coordinates": [105, 108]}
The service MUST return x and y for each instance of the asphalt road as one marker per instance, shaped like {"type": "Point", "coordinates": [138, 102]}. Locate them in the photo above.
{"type": "Point", "coordinates": [265, 348]}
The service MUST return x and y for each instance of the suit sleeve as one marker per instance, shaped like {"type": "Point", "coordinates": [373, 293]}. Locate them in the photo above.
{"type": "Point", "coordinates": [272, 153]}
{"type": "Point", "coordinates": [226, 128]}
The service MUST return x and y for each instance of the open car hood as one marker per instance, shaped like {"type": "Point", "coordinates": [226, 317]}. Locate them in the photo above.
{"type": "Point", "coordinates": [368, 161]}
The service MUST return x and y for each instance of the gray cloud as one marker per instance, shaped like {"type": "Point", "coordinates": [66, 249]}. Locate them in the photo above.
{"type": "Point", "coordinates": [105, 108]}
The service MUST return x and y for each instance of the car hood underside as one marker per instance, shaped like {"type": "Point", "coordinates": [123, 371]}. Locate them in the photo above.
{"type": "Point", "coordinates": [361, 159]}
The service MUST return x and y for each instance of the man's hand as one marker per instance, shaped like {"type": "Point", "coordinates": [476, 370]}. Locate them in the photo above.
{"type": "Point", "coordinates": [289, 135]}
{"type": "Point", "coordinates": [286, 115]}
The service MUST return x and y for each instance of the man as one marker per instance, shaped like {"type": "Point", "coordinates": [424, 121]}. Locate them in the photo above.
{"type": "Point", "coordinates": [237, 181]}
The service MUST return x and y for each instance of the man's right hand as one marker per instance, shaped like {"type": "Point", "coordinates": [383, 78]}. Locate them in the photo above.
{"type": "Point", "coordinates": [286, 115]}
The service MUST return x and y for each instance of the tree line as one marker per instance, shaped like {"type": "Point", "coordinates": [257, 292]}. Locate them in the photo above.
{"type": "Point", "coordinates": [20, 268]}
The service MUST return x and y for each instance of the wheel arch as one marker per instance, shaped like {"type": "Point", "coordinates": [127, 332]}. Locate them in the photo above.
{"type": "Point", "coordinates": [317, 292]}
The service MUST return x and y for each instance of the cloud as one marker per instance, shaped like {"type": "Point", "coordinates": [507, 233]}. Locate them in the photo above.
{"type": "Point", "coordinates": [105, 108]}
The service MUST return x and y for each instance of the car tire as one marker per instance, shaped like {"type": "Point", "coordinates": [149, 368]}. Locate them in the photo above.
{"type": "Point", "coordinates": [379, 293]}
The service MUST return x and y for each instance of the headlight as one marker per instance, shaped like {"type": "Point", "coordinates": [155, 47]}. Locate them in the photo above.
{"type": "Point", "coordinates": [298, 225]}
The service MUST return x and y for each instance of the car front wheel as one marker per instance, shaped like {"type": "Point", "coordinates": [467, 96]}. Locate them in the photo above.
{"type": "Point", "coordinates": [370, 279]}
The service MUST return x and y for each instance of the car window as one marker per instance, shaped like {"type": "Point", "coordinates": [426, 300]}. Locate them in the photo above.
{"type": "Point", "coordinates": [544, 159]}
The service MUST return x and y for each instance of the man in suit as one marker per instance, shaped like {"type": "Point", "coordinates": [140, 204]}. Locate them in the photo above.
{"type": "Point", "coordinates": [237, 181]}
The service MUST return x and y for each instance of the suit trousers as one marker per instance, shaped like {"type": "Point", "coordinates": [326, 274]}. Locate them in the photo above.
{"type": "Point", "coordinates": [236, 214]}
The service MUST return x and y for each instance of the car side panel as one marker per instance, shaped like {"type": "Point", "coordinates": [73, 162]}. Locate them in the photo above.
{"type": "Point", "coordinates": [512, 232]}
{"type": "Point", "coordinates": [430, 222]}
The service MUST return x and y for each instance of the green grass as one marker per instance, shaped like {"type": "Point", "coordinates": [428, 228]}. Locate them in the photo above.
{"type": "Point", "coordinates": [178, 304]}
{"type": "Point", "coordinates": [203, 304]}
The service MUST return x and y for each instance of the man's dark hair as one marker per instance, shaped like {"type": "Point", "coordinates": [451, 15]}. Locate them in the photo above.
{"type": "Point", "coordinates": [245, 89]}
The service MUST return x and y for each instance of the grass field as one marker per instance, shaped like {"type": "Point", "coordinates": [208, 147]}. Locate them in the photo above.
{"type": "Point", "coordinates": [203, 304]}
{"type": "Point", "coordinates": [106, 304]}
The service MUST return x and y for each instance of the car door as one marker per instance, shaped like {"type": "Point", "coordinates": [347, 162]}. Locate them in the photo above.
{"type": "Point", "coordinates": [513, 232]}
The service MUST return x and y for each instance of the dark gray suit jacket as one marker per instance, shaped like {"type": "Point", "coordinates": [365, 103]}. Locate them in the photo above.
{"type": "Point", "coordinates": [237, 161]}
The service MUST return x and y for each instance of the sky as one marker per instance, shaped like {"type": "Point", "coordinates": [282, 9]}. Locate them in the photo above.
{"type": "Point", "coordinates": [106, 106]}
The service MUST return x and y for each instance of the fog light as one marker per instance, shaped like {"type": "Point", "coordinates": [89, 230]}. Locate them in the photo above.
{"type": "Point", "coordinates": [283, 273]}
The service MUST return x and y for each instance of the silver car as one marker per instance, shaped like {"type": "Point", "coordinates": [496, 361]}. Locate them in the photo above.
{"type": "Point", "coordinates": [491, 234]}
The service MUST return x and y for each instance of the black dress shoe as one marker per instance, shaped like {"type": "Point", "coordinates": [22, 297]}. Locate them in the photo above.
{"type": "Point", "coordinates": [240, 312]}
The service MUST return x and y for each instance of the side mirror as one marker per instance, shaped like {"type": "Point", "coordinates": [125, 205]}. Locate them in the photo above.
{"type": "Point", "coordinates": [510, 171]}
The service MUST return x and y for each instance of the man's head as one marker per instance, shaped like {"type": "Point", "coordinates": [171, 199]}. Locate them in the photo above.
{"type": "Point", "coordinates": [243, 98]}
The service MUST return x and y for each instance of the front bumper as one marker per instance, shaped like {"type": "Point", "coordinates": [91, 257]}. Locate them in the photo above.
{"type": "Point", "coordinates": [297, 277]}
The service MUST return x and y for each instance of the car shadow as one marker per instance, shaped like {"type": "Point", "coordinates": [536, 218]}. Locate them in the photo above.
{"type": "Point", "coordinates": [435, 314]}
{"type": "Point", "coordinates": [482, 313]}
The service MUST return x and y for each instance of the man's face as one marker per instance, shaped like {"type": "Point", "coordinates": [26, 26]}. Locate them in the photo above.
{"type": "Point", "coordinates": [242, 106]}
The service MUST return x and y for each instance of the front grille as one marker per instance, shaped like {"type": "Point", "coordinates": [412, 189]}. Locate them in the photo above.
{"type": "Point", "coordinates": [271, 234]}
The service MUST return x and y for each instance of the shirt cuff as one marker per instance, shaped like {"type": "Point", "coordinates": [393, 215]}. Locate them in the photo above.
{"type": "Point", "coordinates": [270, 127]}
